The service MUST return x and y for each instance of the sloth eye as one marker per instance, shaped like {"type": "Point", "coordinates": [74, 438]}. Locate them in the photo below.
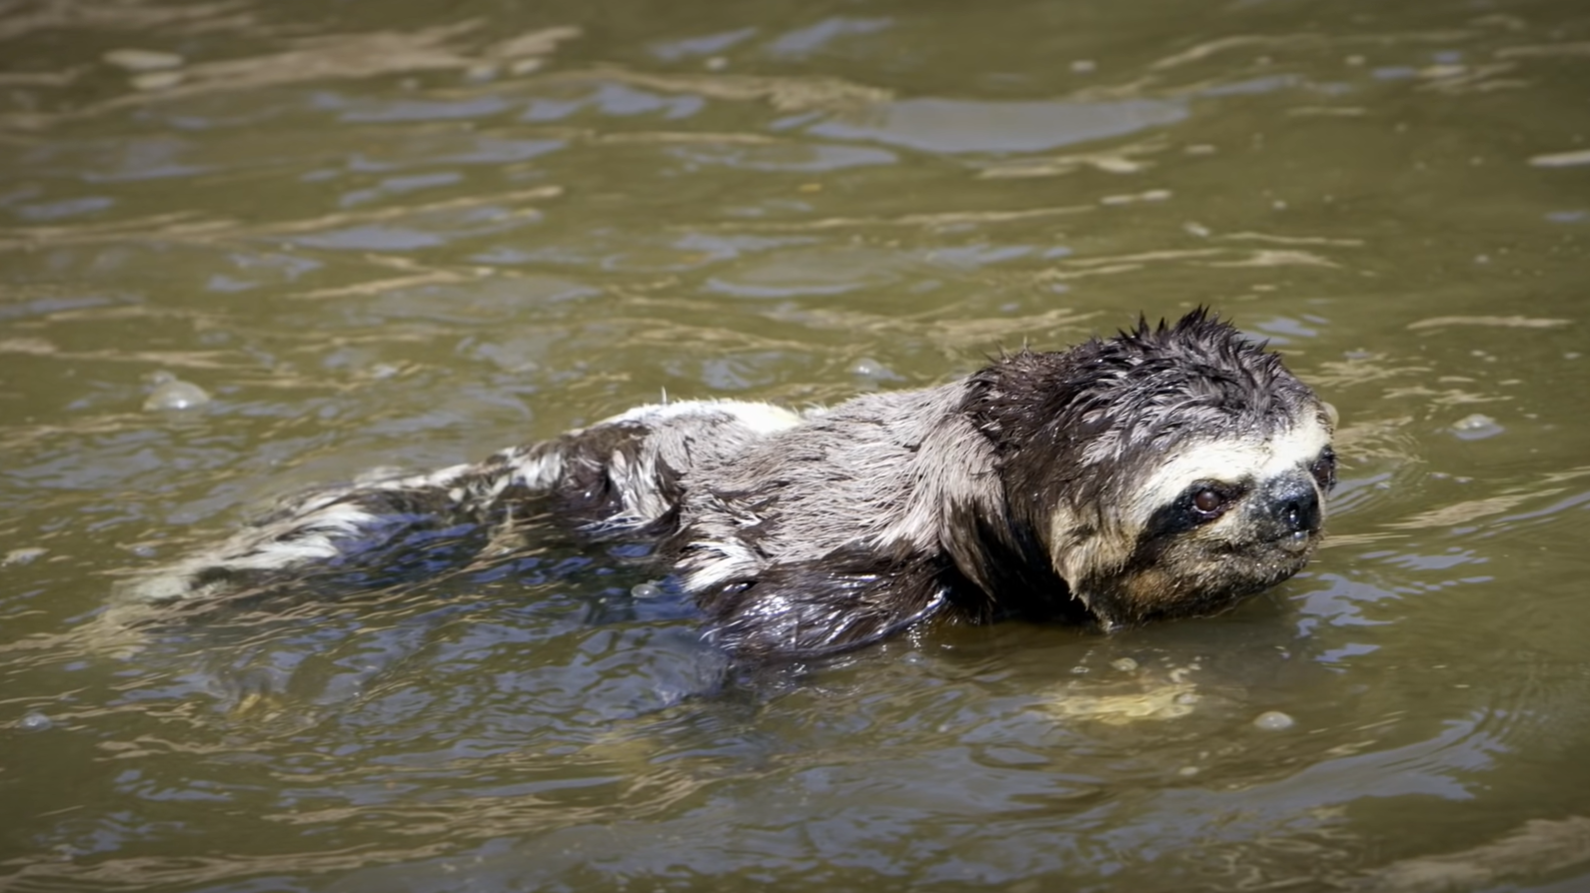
{"type": "Point", "coordinates": [1208, 501]}
{"type": "Point", "coordinates": [1199, 504]}
{"type": "Point", "coordinates": [1205, 501]}
{"type": "Point", "coordinates": [1324, 469]}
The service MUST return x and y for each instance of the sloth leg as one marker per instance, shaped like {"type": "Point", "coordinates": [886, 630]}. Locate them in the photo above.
{"type": "Point", "coordinates": [620, 478]}
{"type": "Point", "coordinates": [602, 482]}
{"type": "Point", "coordinates": [381, 527]}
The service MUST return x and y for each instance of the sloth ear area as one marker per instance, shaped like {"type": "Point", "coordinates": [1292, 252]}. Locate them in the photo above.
{"type": "Point", "coordinates": [808, 610]}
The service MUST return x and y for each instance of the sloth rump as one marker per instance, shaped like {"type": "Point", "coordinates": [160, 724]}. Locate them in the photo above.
{"type": "Point", "coordinates": [1165, 472]}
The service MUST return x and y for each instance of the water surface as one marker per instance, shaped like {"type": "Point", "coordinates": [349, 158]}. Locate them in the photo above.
{"type": "Point", "coordinates": [408, 234]}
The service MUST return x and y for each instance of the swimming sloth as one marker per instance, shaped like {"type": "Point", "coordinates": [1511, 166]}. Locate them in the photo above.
{"type": "Point", "coordinates": [1166, 472]}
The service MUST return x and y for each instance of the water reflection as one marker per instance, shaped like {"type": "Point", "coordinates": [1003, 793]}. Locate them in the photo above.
{"type": "Point", "coordinates": [941, 125]}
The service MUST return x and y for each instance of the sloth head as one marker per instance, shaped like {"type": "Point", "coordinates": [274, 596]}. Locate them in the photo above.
{"type": "Point", "coordinates": [1164, 472]}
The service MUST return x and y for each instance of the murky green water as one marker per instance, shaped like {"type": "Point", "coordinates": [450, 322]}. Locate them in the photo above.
{"type": "Point", "coordinates": [409, 234]}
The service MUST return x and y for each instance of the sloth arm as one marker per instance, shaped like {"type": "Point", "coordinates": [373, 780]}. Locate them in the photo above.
{"type": "Point", "coordinates": [831, 536]}
{"type": "Point", "coordinates": [845, 600]}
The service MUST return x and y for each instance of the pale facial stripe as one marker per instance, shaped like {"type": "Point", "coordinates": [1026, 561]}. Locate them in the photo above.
{"type": "Point", "coordinates": [1229, 462]}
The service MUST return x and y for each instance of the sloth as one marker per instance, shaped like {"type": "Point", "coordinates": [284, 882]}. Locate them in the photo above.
{"type": "Point", "coordinates": [1165, 472]}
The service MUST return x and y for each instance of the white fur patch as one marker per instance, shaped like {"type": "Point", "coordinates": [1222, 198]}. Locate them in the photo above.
{"type": "Point", "coordinates": [760, 418]}
{"type": "Point", "coordinates": [637, 488]}
{"type": "Point", "coordinates": [1228, 462]}
{"type": "Point", "coordinates": [729, 559]}
{"type": "Point", "coordinates": [539, 473]}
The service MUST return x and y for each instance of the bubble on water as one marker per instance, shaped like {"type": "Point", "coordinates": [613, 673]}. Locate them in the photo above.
{"type": "Point", "coordinates": [867, 367]}
{"type": "Point", "coordinates": [34, 722]}
{"type": "Point", "coordinates": [646, 590]}
{"type": "Point", "coordinates": [1273, 721]}
{"type": "Point", "coordinates": [1476, 427]}
{"type": "Point", "coordinates": [174, 393]}
{"type": "Point", "coordinates": [1124, 664]}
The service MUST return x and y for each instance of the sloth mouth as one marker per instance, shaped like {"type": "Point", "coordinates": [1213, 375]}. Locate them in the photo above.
{"type": "Point", "coordinates": [1297, 541]}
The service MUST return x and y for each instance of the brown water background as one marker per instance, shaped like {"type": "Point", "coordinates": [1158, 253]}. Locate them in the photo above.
{"type": "Point", "coordinates": [408, 234]}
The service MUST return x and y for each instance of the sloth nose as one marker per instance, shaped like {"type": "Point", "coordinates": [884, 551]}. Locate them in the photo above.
{"type": "Point", "coordinates": [1295, 506]}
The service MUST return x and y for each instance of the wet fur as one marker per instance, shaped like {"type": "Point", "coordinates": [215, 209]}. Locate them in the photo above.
{"type": "Point", "coordinates": [1047, 485]}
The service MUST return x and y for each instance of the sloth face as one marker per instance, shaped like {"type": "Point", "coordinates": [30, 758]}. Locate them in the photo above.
{"type": "Point", "coordinates": [1169, 471]}
{"type": "Point", "coordinates": [1216, 521]}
